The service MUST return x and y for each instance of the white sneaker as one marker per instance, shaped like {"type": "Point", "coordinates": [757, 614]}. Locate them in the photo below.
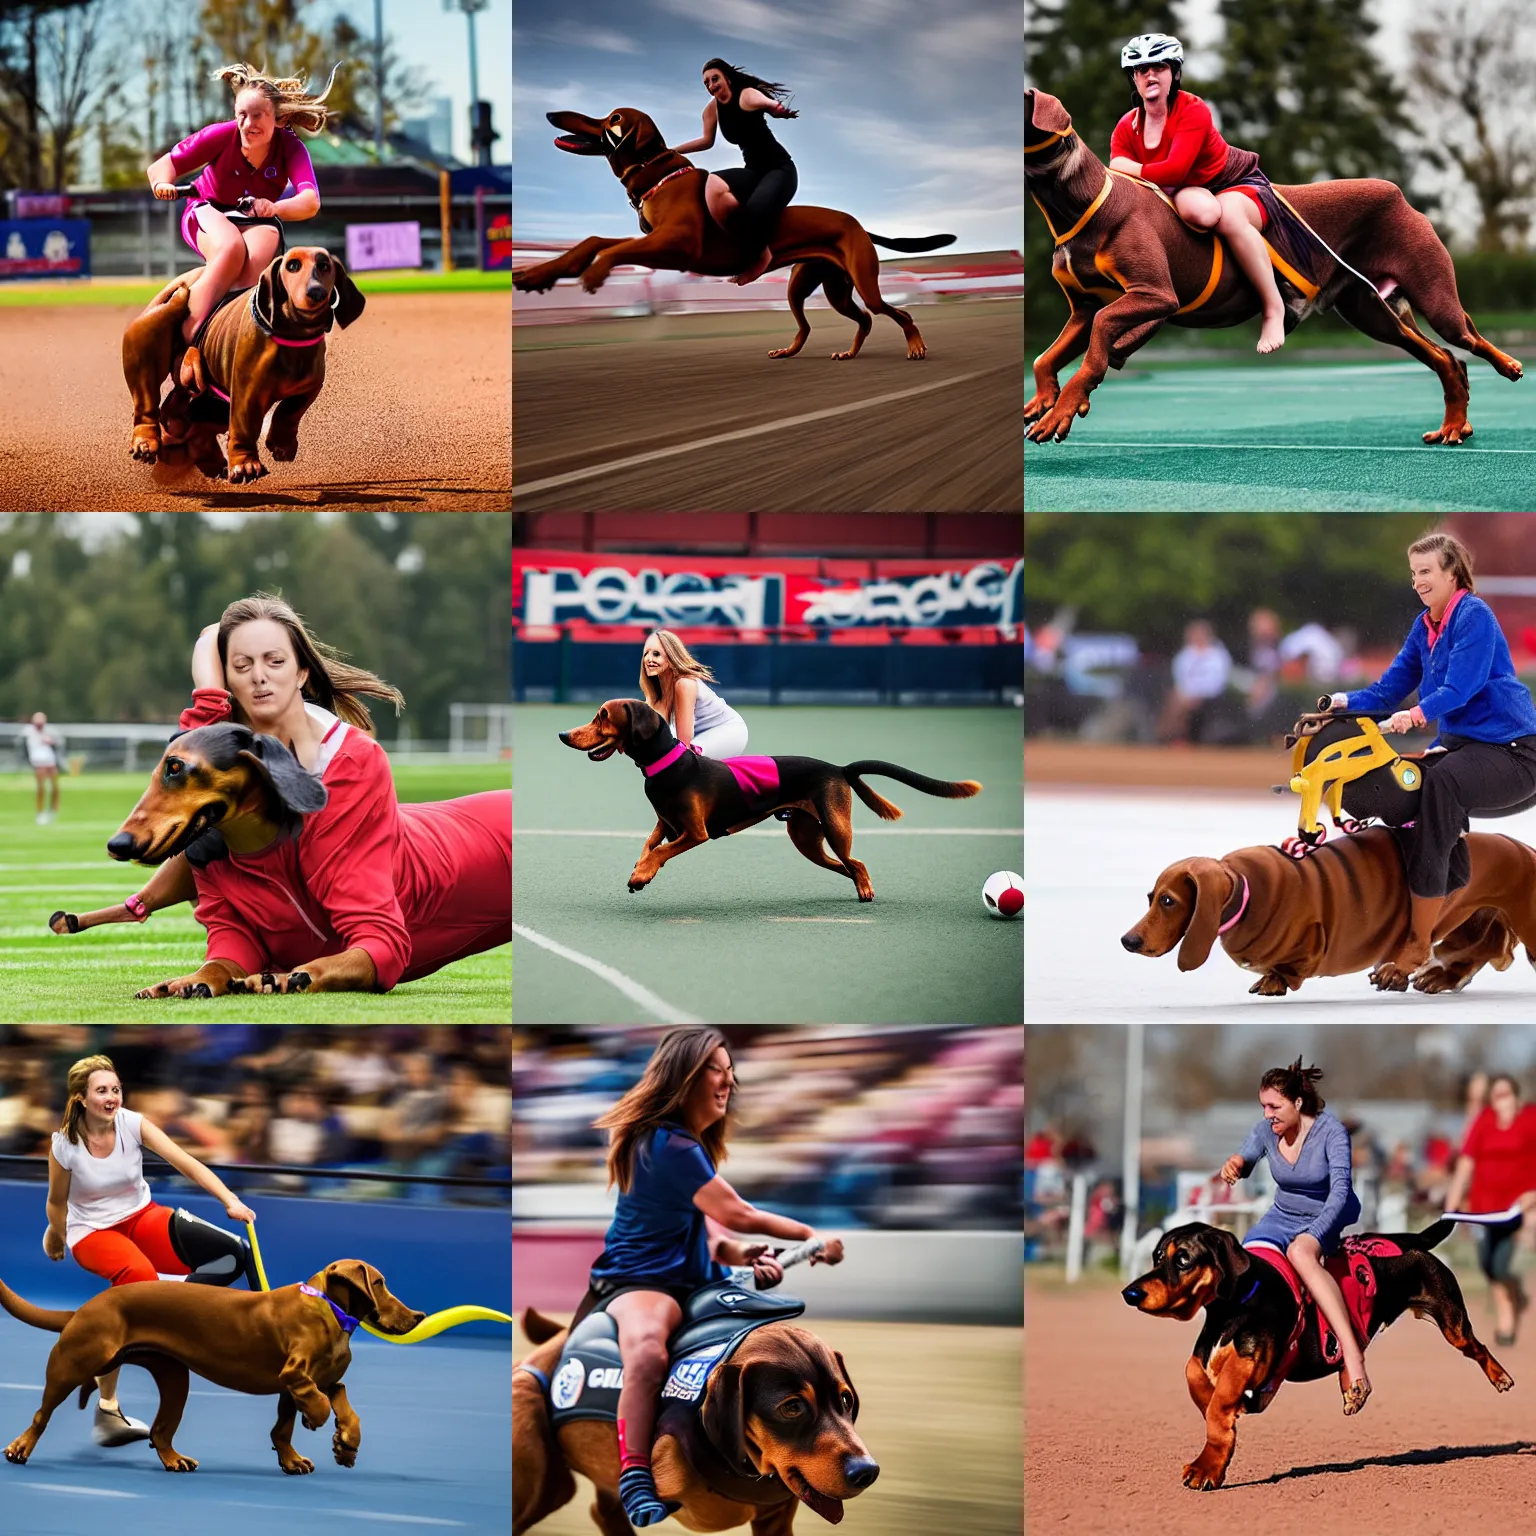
{"type": "Point", "coordinates": [114, 1427]}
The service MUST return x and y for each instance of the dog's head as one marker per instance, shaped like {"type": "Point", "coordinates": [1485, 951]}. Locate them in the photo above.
{"type": "Point", "coordinates": [626, 136]}
{"type": "Point", "coordinates": [359, 1290]}
{"type": "Point", "coordinates": [616, 727]}
{"type": "Point", "coordinates": [784, 1405]}
{"type": "Point", "coordinates": [210, 776]}
{"type": "Point", "coordinates": [1186, 903]}
{"type": "Point", "coordinates": [1045, 120]}
{"type": "Point", "coordinates": [301, 288]}
{"type": "Point", "coordinates": [1192, 1267]}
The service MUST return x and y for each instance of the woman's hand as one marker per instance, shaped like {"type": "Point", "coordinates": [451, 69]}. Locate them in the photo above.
{"type": "Point", "coordinates": [1231, 1170]}
{"type": "Point", "coordinates": [238, 1212]}
{"type": "Point", "coordinates": [53, 1244]}
{"type": "Point", "coordinates": [207, 669]}
{"type": "Point", "coordinates": [780, 110]}
{"type": "Point", "coordinates": [831, 1253]}
{"type": "Point", "coordinates": [766, 1270]}
{"type": "Point", "coordinates": [1403, 721]}
{"type": "Point", "coordinates": [166, 191]}
{"type": "Point", "coordinates": [264, 209]}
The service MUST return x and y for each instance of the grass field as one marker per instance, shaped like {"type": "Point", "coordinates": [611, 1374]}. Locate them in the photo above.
{"type": "Point", "coordinates": [128, 290]}
{"type": "Point", "coordinates": [90, 978]}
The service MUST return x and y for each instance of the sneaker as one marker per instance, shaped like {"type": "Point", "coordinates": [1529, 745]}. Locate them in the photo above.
{"type": "Point", "coordinates": [114, 1427]}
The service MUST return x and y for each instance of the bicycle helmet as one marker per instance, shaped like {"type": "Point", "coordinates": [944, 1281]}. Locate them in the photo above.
{"type": "Point", "coordinates": [1153, 48]}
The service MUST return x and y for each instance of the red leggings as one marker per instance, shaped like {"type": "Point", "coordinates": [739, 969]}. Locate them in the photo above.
{"type": "Point", "coordinates": [136, 1249]}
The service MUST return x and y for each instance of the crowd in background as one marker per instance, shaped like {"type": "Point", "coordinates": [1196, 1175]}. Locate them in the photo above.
{"type": "Point", "coordinates": [898, 1129]}
{"type": "Point", "coordinates": [427, 1101]}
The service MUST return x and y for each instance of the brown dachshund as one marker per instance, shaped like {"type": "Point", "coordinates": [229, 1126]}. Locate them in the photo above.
{"type": "Point", "coordinates": [282, 1341]}
{"type": "Point", "coordinates": [1342, 909]}
{"type": "Point", "coordinates": [1128, 263]}
{"type": "Point", "coordinates": [811, 1452]}
{"type": "Point", "coordinates": [828, 249]}
{"type": "Point", "coordinates": [258, 351]}
{"type": "Point", "coordinates": [1251, 1318]}
{"type": "Point", "coordinates": [696, 799]}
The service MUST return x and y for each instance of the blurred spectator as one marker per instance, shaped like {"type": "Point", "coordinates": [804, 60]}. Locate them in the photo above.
{"type": "Point", "coordinates": [1201, 671]}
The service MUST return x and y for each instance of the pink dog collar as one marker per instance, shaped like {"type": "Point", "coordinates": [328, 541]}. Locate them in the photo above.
{"type": "Point", "coordinates": [1232, 921]}
{"type": "Point", "coordinates": [652, 769]}
{"type": "Point", "coordinates": [314, 341]}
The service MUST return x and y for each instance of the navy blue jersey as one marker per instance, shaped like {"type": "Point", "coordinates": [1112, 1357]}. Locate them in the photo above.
{"type": "Point", "coordinates": [658, 1233]}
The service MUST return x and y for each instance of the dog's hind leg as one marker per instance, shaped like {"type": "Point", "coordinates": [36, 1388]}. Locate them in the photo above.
{"type": "Point", "coordinates": [288, 1459]}
{"type": "Point", "coordinates": [836, 806]}
{"type": "Point", "coordinates": [863, 267]}
{"type": "Point", "coordinates": [171, 1378]}
{"type": "Point", "coordinates": [541, 1480]}
{"type": "Point", "coordinates": [838, 288]}
{"type": "Point", "coordinates": [68, 1368]}
{"type": "Point", "coordinates": [805, 833]}
{"type": "Point", "coordinates": [804, 280]}
{"type": "Point", "coordinates": [1439, 1298]}
{"type": "Point", "coordinates": [1483, 939]}
{"type": "Point", "coordinates": [608, 1514]}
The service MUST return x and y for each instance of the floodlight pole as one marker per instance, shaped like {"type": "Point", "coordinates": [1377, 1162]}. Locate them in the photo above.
{"type": "Point", "coordinates": [1135, 1058]}
{"type": "Point", "coordinates": [378, 78]}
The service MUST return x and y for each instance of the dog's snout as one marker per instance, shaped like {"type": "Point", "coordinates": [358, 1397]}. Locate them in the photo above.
{"type": "Point", "coordinates": [861, 1471]}
{"type": "Point", "coordinates": [315, 292]}
{"type": "Point", "coordinates": [122, 846]}
{"type": "Point", "coordinates": [565, 736]}
{"type": "Point", "coordinates": [1132, 941]}
{"type": "Point", "coordinates": [1133, 1295]}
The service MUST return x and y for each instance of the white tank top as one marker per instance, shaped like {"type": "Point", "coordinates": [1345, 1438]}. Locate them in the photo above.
{"type": "Point", "coordinates": [103, 1190]}
{"type": "Point", "coordinates": [709, 709]}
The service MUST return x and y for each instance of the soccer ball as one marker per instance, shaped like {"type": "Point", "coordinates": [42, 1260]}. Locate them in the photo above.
{"type": "Point", "coordinates": [1003, 894]}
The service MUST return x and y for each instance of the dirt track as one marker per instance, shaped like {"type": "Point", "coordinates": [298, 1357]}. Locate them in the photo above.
{"type": "Point", "coordinates": [1109, 1427]}
{"type": "Point", "coordinates": [415, 415]}
{"type": "Point", "coordinates": [602, 392]}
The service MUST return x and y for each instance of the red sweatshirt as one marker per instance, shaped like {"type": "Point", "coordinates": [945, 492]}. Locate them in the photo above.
{"type": "Point", "coordinates": [1190, 153]}
{"type": "Point", "coordinates": [417, 886]}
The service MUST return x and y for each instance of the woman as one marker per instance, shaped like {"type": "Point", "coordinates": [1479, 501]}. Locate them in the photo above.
{"type": "Point", "coordinates": [43, 756]}
{"type": "Point", "coordinates": [1308, 1153]}
{"type": "Point", "coordinates": [758, 191]}
{"type": "Point", "coordinates": [1170, 139]}
{"type": "Point", "coordinates": [1457, 658]}
{"type": "Point", "coordinates": [100, 1208]}
{"type": "Point", "coordinates": [666, 1140]}
{"type": "Point", "coordinates": [1496, 1171]}
{"type": "Point", "coordinates": [677, 688]}
{"type": "Point", "coordinates": [256, 155]}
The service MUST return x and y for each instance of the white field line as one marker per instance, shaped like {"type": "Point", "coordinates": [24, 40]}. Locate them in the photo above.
{"type": "Point", "coordinates": [641, 997]}
{"type": "Point", "coordinates": [1424, 448]}
{"type": "Point", "coordinates": [592, 471]}
{"type": "Point", "coordinates": [99, 865]}
{"type": "Point", "coordinates": [645, 832]}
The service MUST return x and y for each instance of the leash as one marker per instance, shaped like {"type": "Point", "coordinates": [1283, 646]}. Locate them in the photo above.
{"type": "Point", "coordinates": [427, 1328]}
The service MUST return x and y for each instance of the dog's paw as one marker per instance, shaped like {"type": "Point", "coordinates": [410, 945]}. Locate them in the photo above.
{"type": "Point", "coordinates": [283, 449]}
{"type": "Point", "coordinates": [18, 1451]}
{"type": "Point", "coordinates": [1202, 1477]}
{"type": "Point", "coordinates": [316, 1423]}
{"type": "Point", "coordinates": [243, 471]}
{"type": "Point", "coordinates": [1268, 986]}
{"type": "Point", "coordinates": [346, 1455]}
{"type": "Point", "coordinates": [174, 1461]}
{"type": "Point", "coordinates": [1388, 977]}
{"type": "Point", "coordinates": [294, 1464]}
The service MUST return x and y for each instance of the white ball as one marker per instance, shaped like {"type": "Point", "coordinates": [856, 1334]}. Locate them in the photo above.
{"type": "Point", "coordinates": [1003, 894]}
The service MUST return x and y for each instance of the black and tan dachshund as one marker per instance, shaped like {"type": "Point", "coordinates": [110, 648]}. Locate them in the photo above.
{"type": "Point", "coordinates": [696, 799]}
{"type": "Point", "coordinates": [1250, 1317]}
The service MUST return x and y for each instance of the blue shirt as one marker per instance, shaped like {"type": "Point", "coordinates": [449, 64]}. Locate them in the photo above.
{"type": "Point", "coordinates": [658, 1233]}
{"type": "Point", "coordinates": [1317, 1189]}
{"type": "Point", "coordinates": [1467, 682]}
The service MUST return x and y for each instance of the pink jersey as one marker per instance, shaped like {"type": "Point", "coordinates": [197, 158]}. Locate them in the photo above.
{"type": "Point", "coordinates": [229, 176]}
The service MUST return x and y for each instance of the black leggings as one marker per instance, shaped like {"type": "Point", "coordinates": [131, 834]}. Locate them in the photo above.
{"type": "Point", "coordinates": [762, 198]}
{"type": "Point", "coordinates": [1477, 778]}
{"type": "Point", "coordinates": [1496, 1249]}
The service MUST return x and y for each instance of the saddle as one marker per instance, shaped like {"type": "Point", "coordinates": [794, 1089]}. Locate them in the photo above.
{"type": "Point", "coordinates": [590, 1372]}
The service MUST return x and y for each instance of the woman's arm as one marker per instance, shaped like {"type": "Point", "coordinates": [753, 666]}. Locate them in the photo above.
{"type": "Point", "coordinates": [706, 138]}
{"type": "Point", "coordinates": [291, 210]}
{"type": "Point", "coordinates": [721, 1203]}
{"type": "Point", "coordinates": [754, 100]}
{"type": "Point", "coordinates": [1461, 1182]}
{"type": "Point", "coordinates": [683, 701]}
{"type": "Point", "coordinates": [189, 1167]}
{"type": "Point", "coordinates": [207, 669]}
{"type": "Point", "coordinates": [162, 174]}
{"type": "Point", "coordinates": [1396, 683]}
{"type": "Point", "coordinates": [57, 1207]}
{"type": "Point", "coordinates": [1127, 165]}
{"type": "Point", "coordinates": [1336, 1150]}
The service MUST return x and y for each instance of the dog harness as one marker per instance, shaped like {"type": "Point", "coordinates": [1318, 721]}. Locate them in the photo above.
{"type": "Point", "coordinates": [1242, 907]}
{"type": "Point", "coordinates": [348, 1324]}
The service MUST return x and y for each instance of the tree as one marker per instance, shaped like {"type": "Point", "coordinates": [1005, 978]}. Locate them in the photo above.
{"type": "Point", "coordinates": [48, 85]}
{"type": "Point", "coordinates": [1474, 70]}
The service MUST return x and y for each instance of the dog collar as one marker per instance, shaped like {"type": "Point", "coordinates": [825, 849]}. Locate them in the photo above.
{"type": "Point", "coordinates": [1242, 907]}
{"type": "Point", "coordinates": [682, 170]}
{"type": "Point", "coordinates": [348, 1324]}
{"type": "Point", "coordinates": [265, 325]}
{"type": "Point", "coordinates": [650, 770]}
{"type": "Point", "coordinates": [1252, 1289]}
{"type": "Point", "coordinates": [1055, 138]}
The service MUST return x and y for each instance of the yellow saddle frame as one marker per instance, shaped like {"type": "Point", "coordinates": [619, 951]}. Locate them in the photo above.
{"type": "Point", "coordinates": [1321, 782]}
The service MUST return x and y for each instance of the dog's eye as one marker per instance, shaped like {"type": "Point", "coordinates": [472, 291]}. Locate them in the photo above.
{"type": "Point", "coordinates": [1181, 1261]}
{"type": "Point", "coordinates": [847, 1402]}
{"type": "Point", "coordinates": [1165, 900]}
{"type": "Point", "coordinates": [174, 767]}
{"type": "Point", "coordinates": [293, 264]}
{"type": "Point", "coordinates": [792, 1407]}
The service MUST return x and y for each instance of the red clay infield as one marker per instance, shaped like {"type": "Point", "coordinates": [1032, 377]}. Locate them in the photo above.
{"type": "Point", "coordinates": [415, 415]}
{"type": "Point", "coordinates": [1109, 1426]}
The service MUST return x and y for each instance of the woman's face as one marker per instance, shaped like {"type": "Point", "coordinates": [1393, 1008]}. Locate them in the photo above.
{"type": "Point", "coordinates": [1282, 1113]}
{"type": "Point", "coordinates": [255, 119]}
{"type": "Point", "coordinates": [710, 1096]}
{"type": "Point", "coordinates": [261, 671]}
{"type": "Point", "coordinates": [1504, 1102]}
{"type": "Point", "coordinates": [653, 658]}
{"type": "Point", "coordinates": [1153, 81]}
{"type": "Point", "coordinates": [103, 1094]}
{"type": "Point", "coordinates": [717, 85]}
{"type": "Point", "coordinates": [1435, 583]}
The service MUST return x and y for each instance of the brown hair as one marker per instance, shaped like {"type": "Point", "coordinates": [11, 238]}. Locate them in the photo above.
{"type": "Point", "coordinates": [659, 1096]}
{"type": "Point", "coordinates": [332, 683]}
{"type": "Point", "coordinates": [1454, 556]}
{"type": "Point", "coordinates": [292, 105]}
{"type": "Point", "coordinates": [75, 1084]}
{"type": "Point", "coordinates": [1296, 1082]}
{"type": "Point", "coordinates": [661, 693]}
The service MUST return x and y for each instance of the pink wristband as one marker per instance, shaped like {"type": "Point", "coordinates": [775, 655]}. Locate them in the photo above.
{"type": "Point", "coordinates": [135, 905]}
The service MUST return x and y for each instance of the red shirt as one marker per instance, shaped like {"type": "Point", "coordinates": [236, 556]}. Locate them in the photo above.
{"type": "Point", "coordinates": [1503, 1160]}
{"type": "Point", "coordinates": [416, 886]}
{"type": "Point", "coordinates": [1190, 153]}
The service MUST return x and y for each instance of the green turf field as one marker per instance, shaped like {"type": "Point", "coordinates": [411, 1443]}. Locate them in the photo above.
{"type": "Point", "coordinates": [128, 290]}
{"type": "Point", "coordinates": [745, 930]}
{"type": "Point", "coordinates": [1309, 436]}
{"type": "Point", "coordinates": [90, 978]}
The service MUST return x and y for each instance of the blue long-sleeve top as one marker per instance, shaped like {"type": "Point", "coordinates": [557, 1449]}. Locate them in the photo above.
{"type": "Point", "coordinates": [1467, 680]}
{"type": "Point", "coordinates": [1317, 1188]}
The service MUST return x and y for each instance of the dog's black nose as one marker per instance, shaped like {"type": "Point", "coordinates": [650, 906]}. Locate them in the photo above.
{"type": "Point", "coordinates": [1133, 1295]}
{"type": "Point", "coordinates": [565, 736]}
{"type": "Point", "coordinates": [861, 1471]}
{"type": "Point", "coordinates": [122, 846]}
{"type": "Point", "coordinates": [1132, 942]}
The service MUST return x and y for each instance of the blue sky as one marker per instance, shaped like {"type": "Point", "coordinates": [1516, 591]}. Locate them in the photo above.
{"type": "Point", "coordinates": [911, 111]}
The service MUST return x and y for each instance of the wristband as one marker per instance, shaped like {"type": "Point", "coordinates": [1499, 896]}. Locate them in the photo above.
{"type": "Point", "coordinates": [135, 905]}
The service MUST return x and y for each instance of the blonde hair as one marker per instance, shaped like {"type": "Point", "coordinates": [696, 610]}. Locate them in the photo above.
{"type": "Point", "coordinates": [75, 1084]}
{"type": "Point", "coordinates": [332, 683]}
{"type": "Point", "coordinates": [292, 105]}
{"type": "Point", "coordinates": [660, 693]}
{"type": "Point", "coordinates": [1454, 556]}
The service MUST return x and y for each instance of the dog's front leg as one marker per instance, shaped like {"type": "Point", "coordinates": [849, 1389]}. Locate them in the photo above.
{"type": "Point", "coordinates": [351, 971]}
{"type": "Point", "coordinates": [649, 864]}
{"type": "Point", "coordinates": [678, 249]}
{"type": "Point", "coordinates": [297, 1382]}
{"type": "Point", "coordinates": [349, 1428]}
{"type": "Point", "coordinates": [247, 410]}
{"type": "Point", "coordinates": [211, 979]}
{"type": "Point", "coordinates": [1236, 1374]}
{"type": "Point", "coordinates": [545, 274]}
{"type": "Point", "coordinates": [288, 1459]}
{"type": "Point", "coordinates": [1071, 343]}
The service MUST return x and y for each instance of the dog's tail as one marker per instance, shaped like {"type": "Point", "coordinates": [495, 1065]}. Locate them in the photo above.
{"type": "Point", "coordinates": [539, 1329]}
{"type": "Point", "coordinates": [911, 242]}
{"type": "Point", "coordinates": [943, 788]}
{"type": "Point", "coordinates": [1421, 1242]}
{"type": "Point", "coordinates": [33, 1317]}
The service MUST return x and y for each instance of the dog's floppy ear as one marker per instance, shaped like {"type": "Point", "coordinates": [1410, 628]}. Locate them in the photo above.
{"type": "Point", "coordinates": [1207, 882]}
{"type": "Point", "coordinates": [644, 722]}
{"type": "Point", "coordinates": [356, 1274]}
{"type": "Point", "coordinates": [349, 298]}
{"type": "Point", "coordinates": [723, 1416]}
{"type": "Point", "coordinates": [301, 792]}
{"type": "Point", "coordinates": [1230, 1257]}
{"type": "Point", "coordinates": [1047, 113]}
{"type": "Point", "coordinates": [843, 1372]}
{"type": "Point", "coordinates": [269, 293]}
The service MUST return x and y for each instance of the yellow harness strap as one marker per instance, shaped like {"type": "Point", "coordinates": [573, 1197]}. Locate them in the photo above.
{"type": "Point", "coordinates": [1321, 782]}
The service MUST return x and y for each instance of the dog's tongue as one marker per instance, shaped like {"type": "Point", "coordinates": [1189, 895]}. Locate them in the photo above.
{"type": "Point", "coordinates": [829, 1509]}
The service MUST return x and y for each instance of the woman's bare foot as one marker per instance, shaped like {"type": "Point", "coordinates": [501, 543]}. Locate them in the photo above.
{"type": "Point", "coordinates": [756, 270]}
{"type": "Point", "coordinates": [1356, 1395]}
{"type": "Point", "coordinates": [1272, 332]}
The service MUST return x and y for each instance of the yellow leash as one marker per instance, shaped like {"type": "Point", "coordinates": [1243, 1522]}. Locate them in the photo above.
{"type": "Point", "coordinates": [427, 1328]}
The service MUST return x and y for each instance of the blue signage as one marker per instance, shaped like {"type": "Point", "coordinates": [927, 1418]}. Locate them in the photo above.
{"type": "Point", "coordinates": [45, 248]}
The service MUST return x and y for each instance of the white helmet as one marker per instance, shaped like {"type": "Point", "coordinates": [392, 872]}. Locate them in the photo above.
{"type": "Point", "coordinates": [1151, 48]}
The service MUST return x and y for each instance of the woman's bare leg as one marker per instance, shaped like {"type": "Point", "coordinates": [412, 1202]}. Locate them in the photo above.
{"type": "Point", "coordinates": [1306, 1256]}
{"type": "Point", "coordinates": [107, 1387]}
{"type": "Point", "coordinates": [260, 248]}
{"type": "Point", "coordinates": [1239, 226]}
{"type": "Point", "coordinates": [720, 200]}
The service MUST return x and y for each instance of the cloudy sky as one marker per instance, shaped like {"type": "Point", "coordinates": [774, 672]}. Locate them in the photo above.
{"type": "Point", "coordinates": [910, 111]}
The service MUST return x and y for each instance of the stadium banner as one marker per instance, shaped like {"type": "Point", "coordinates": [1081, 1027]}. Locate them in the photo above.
{"type": "Point", "coordinates": [496, 244]}
{"type": "Point", "coordinates": [375, 247]}
{"type": "Point", "coordinates": [45, 248]}
{"type": "Point", "coordinates": [550, 588]}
